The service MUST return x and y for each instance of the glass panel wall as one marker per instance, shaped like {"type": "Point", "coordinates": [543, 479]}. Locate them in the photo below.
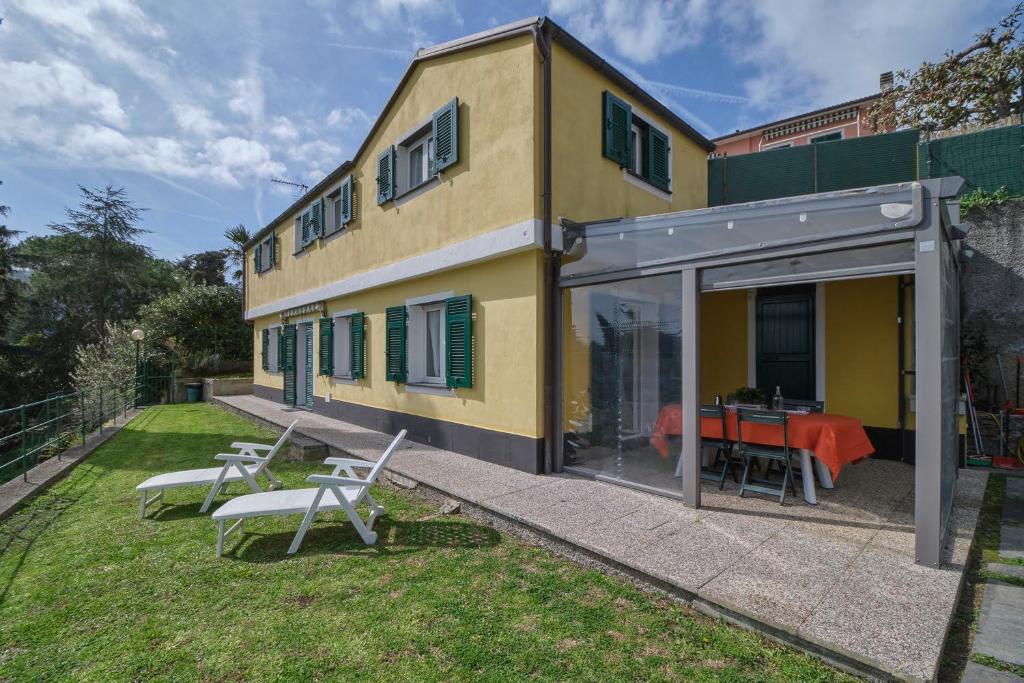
{"type": "Point", "coordinates": [622, 367]}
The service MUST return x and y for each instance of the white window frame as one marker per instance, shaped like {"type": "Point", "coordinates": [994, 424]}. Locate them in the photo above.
{"type": "Point", "coordinates": [416, 352]}
{"type": "Point", "coordinates": [637, 145]}
{"type": "Point", "coordinates": [274, 349]}
{"type": "Point", "coordinates": [342, 341]}
{"type": "Point", "coordinates": [265, 253]}
{"type": "Point", "coordinates": [825, 134]}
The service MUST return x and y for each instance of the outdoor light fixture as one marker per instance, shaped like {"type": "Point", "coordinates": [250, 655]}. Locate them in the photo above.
{"type": "Point", "coordinates": [896, 211]}
{"type": "Point", "coordinates": [729, 225]}
{"type": "Point", "coordinates": [138, 335]}
{"type": "Point", "coordinates": [803, 217]}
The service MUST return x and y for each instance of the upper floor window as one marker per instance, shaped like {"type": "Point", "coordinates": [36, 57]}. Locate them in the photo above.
{"type": "Point", "coordinates": [265, 255]}
{"type": "Point", "coordinates": [415, 160]}
{"type": "Point", "coordinates": [637, 145]}
{"type": "Point", "coordinates": [828, 137]}
{"type": "Point", "coordinates": [339, 208]}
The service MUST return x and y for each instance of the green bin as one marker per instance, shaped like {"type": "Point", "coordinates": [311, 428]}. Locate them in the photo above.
{"type": "Point", "coordinates": [193, 392]}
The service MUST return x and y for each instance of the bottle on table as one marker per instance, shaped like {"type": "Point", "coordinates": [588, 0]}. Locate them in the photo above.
{"type": "Point", "coordinates": [777, 402]}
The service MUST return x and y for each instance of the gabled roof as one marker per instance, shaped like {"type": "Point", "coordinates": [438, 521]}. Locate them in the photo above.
{"type": "Point", "coordinates": [789, 119]}
{"type": "Point", "coordinates": [531, 25]}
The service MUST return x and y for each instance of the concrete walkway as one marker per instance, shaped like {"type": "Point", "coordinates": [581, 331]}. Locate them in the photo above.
{"type": "Point", "coordinates": [838, 579]}
{"type": "Point", "coordinates": [1000, 633]}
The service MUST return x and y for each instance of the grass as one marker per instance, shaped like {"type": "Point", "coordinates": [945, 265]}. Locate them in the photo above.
{"type": "Point", "coordinates": [89, 592]}
{"type": "Point", "coordinates": [984, 551]}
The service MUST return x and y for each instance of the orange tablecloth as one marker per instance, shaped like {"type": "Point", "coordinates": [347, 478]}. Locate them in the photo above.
{"type": "Point", "coordinates": [835, 440]}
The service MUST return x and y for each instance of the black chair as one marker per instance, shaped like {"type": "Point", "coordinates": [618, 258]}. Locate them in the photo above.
{"type": "Point", "coordinates": [799, 403]}
{"type": "Point", "coordinates": [773, 454]}
{"type": "Point", "coordinates": [722, 446]}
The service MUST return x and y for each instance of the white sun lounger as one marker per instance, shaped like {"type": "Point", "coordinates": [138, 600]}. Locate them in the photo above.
{"type": "Point", "coordinates": [245, 465]}
{"type": "Point", "coordinates": [334, 492]}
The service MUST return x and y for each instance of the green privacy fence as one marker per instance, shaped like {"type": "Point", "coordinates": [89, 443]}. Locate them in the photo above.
{"type": "Point", "coordinates": [987, 159]}
{"type": "Point", "coordinates": [35, 431]}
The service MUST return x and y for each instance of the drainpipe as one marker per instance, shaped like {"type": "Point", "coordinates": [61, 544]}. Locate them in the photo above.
{"type": "Point", "coordinates": [550, 290]}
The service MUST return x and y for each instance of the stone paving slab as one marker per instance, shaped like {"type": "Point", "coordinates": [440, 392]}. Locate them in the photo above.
{"type": "Point", "coordinates": [976, 673]}
{"type": "Point", "coordinates": [1013, 510]}
{"type": "Point", "coordinates": [839, 577]}
{"type": "Point", "coordinates": [1015, 487]}
{"type": "Point", "coordinates": [1011, 542]}
{"type": "Point", "coordinates": [1016, 570]}
{"type": "Point", "coordinates": [1000, 631]}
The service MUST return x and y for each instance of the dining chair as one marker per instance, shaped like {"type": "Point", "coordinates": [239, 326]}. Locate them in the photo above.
{"type": "Point", "coordinates": [799, 403]}
{"type": "Point", "coordinates": [722, 446]}
{"type": "Point", "coordinates": [777, 454]}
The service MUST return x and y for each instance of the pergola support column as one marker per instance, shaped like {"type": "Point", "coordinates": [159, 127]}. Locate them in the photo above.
{"type": "Point", "coordinates": [928, 332]}
{"type": "Point", "coordinates": [691, 454]}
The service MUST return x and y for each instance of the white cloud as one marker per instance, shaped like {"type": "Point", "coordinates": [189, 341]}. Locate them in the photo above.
{"type": "Point", "coordinates": [348, 117]}
{"type": "Point", "coordinates": [639, 31]}
{"type": "Point", "coordinates": [817, 52]}
{"type": "Point", "coordinates": [282, 128]}
{"type": "Point", "coordinates": [196, 119]}
{"type": "Point", "coordinates": [31, 85]}
{"type": "Point", "coordinates": [249, 157]}
{"type": "Point", "coordinates": [91, 19]}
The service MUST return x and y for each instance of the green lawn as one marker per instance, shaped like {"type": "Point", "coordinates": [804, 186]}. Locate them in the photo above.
{"type": "Point", "coordinates": [88, 591]}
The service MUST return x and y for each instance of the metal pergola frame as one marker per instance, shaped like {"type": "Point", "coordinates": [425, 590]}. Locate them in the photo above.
{"type": "Point", "coordinates": [906, 228]}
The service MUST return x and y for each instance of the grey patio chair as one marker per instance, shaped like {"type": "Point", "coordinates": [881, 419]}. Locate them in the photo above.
{"type": "Point", "coordinates": [778, 454]}
{"type": "Point", "coordinates": [722, 446]}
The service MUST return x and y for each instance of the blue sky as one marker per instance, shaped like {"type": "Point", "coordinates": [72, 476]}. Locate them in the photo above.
{"type": "Point", "coordinates": [194, 106]}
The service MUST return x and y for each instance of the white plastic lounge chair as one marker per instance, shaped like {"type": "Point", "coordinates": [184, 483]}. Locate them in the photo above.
{"type": "Point", "coordinates": [335, 491]}
{"type": "Point", "coordinates": [245, 465]}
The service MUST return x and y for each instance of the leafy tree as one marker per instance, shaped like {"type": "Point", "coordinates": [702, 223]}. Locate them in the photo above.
{"type": "Point", "coordinates": [237, 236]}
{"type": "Point", "coordinates": [979, 84]}
{"type": "Point", "coordinates": [205, 268]}
{"type": "Point", "coordinates": [104, 226]}
{"type": "Point", "coordinates": [202, 325]}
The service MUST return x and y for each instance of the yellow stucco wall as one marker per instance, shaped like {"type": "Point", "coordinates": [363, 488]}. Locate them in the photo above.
{"type": "Point", "coordinates": [587, 186]}
{"type": "Point", "coordinates": [862, 350]}
{"type": "Point", "coordinates": [491, 186]}
{"type": "Point", "coordinates": [504, 395]}
{"type": "Point", "coordinates": [723, 343]}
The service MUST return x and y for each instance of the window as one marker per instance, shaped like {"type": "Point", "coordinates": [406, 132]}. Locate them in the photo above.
{"type": "Point", "coordinates": [265, 256]}
{"type": "Point", "coordinates": [343, 346]}
{"type": "Point", "coordinates": [426, 359]}
{"type": "Point", "coordinates": [420, 161]}
{"type": "Point", "coordinates": [416, 160]}
{"type": "Point", "coordinates": [431, 342]}
{"type": "Point", "coordinates": [338, 208]}
{"type": "Point", "coordinates": [781, 145]}
{"type": "Point", "coordinates": [271, 349]}
{"type": "Point", "coordinates": [828, 137]}
{"type": "Point", "coordinates": [640, 148]}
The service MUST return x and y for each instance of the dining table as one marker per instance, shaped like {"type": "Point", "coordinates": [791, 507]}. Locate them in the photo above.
{"type": "Point", "coordinates": [826, 442]}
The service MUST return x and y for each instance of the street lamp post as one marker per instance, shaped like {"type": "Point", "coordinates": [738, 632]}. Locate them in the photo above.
{"type": "Point", "coordinates": [138, 335]}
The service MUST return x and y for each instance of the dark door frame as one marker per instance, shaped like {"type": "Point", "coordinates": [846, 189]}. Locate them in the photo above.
{"type": "Point", "coordinates": [795, 292]}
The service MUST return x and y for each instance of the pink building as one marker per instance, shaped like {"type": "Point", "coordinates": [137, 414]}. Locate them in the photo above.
{"type": "Point", "coordinates": [838, 122]}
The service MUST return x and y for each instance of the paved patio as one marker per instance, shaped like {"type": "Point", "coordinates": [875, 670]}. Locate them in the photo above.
{"type": "Point", "coordinates": [838, 579]}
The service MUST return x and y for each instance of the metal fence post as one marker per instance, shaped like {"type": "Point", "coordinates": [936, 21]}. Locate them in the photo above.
{"type": "Point", "coordinates": [81, 414]}
{"type": "Point", "coordinates": [24, 443]}
{"type": "Point", "coordinates": [58, 429]}
{"type": "Point", "coordinates": [101, 410]}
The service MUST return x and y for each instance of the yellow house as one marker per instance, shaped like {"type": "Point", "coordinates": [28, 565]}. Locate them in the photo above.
{"type": "Point", "coordinates": [412, 287]}
{"type": "Point", "coordinates": [417, 285]}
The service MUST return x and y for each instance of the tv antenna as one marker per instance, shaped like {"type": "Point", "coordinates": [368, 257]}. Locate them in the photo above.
{"type": "Point", "coordinates": [300, 188]}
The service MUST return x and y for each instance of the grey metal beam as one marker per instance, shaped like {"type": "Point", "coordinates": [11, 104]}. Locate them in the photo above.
{"type": "Point", "coordinates": [928, 325]}
{"type": "Point", "coordinates": [691, 453]}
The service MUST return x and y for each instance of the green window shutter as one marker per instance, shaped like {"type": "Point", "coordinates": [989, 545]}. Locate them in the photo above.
{"type": "Point", "coordinates": [458, 323]}
{"type": "Point", "coordinates": [306, 228]}
{"type": "Point", "coordinates": [266, 349]}
{"type": "Point", "coordinates": [272, 246]}
{"type": "Point", "coordinates": [657, 158]}
{"type": "Point", "coordinates": [446, 135]}
{"type": "Point", "coordinates": [316, 219]}
{"type": "Point", "coordinates": [326, 347]}
{"type": "Point", "coordinates": [357, 347]}
{"type": "Point", "coordinates": [395, 345]}
{"type": "Point", "coordinates": [288, 364]}
{"type": "Point", "coordinates": [346, 200]}
{"type": "Point", "coordinates": [617, 132]}
{"type": "Point", "coordinates": [386, 175]}
{"type": "Point", "coordinates": [257, 257]}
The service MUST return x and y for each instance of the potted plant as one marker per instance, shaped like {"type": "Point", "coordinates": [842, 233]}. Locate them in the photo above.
{"type": "Point", "coordinates": [749, 396]}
